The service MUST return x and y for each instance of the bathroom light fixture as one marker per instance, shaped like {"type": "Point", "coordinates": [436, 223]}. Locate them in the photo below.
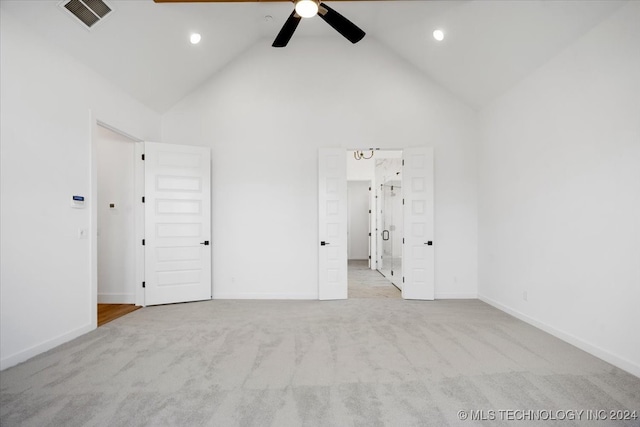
{"type": "Point", "coordinates": [438, 35]}
{"type": "Point", "coordinates": [359, 155]}
{"type": "Point", "coordinates": [306, 8]}
{"type": "Point", "coordinates": [195, 38]}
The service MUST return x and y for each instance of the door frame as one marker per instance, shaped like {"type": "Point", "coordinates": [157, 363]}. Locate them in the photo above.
{"type": "Point", "coordinates": [374, 202]}
{"type": "Point", "coordinates": [369, 216]}
{"type": "Point", "coordinates": [374, 216]}
{"type": "Point", "coordinates": [138, 188]}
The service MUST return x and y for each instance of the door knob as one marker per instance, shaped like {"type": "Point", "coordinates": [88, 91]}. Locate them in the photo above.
{"type": "Point", "coordinates": [323, 243]}
{"type": "Point", "coordinates": [206, 243]}
{"type": "Point", "coordinates": [429, 243]}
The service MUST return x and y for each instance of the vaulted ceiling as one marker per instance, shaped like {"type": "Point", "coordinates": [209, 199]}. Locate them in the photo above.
{"type": "Point", "coordinates": [489, 46]}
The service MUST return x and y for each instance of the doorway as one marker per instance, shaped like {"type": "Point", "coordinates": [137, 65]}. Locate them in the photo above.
{"type": "Point", "coordinates": [366, 221]}
{"type": "Point", "coordinates": [418, 254]}
{"type": "Point", "coordinates": [116, 223]}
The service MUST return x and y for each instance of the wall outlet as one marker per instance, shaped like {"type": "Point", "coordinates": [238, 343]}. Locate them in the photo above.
{"type": "Point", "coordinates": [525, 296]}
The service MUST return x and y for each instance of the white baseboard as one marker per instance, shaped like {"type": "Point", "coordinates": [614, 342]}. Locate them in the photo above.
{"type": "Point", "coordinates": [116, 299]}
{"type": "Point", "coordinates": [257, 295]}
{"type": "Point", "coordinates": [456, 295]}
{"type": "Point", "coordinates": [615, 360]}
{"type": "Point", "coordinates": [24, 355]}
{"type": "Point", "coordinates": [252, 295]}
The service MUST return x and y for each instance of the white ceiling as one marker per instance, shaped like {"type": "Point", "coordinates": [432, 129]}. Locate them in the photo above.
{"type": "Point", "coordinates": [143, 47]}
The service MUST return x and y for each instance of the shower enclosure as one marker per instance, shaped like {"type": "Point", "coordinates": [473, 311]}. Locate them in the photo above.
{"type": "Point", "coordinates": [390, 221]}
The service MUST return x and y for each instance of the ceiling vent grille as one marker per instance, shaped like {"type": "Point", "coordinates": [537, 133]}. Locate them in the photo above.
{"type": "Point", "coordinates": [89, 12]}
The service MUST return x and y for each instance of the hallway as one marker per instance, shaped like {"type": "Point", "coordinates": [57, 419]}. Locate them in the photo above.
{"type": "Point", "coordinates": [367, 283]}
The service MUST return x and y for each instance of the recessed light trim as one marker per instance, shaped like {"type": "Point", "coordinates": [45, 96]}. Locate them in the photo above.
{"type": "Point", "coordinates": [195, 38]}
{"type": "Point", "coordinates": [438, 35]}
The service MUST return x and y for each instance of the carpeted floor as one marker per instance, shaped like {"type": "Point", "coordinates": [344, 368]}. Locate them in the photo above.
{"type": "Point", "coordinates": [358, 362]}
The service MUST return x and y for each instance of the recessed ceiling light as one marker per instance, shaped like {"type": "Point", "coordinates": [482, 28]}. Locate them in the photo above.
{"type": "Point", "coordinates": [195, 38]}
{"type": "Point", "coordinates": [438, 35]}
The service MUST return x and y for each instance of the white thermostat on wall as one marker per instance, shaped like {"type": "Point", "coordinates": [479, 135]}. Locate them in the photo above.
{"type": "Point", "coordinates": [77, 202]}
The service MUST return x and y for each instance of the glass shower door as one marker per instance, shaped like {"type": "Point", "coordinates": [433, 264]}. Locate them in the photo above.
{"type": "Point", "coordinates": [390, 237]}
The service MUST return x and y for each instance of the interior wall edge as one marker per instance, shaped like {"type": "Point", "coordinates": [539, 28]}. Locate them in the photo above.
{"type": "Point", "coordinates": [110, 298]}
{"type": "Point", "coordinates": [37, 349]}
{"type": "Point", "coordinates": [599, 352]}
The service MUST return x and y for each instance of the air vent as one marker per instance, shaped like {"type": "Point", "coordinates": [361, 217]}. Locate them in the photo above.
{"type": "Point", "coordinates": [89, 12]}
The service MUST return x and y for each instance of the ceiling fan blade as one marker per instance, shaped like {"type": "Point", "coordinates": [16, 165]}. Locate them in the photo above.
{"type": "Point", "coordinates": [341, 24]}
{"type": "Point", "coordinates": [287, 30]}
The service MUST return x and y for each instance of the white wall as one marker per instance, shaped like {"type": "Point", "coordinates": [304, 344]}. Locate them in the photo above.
{"type": "Point", "coordinates": [46, 97]}
{"type": "Point", "coordinates": [265, 121]}
{"type": "Point", "coordinates": [559, 212]}
{"type": "Point", "coordinates": [360, 170]}
{"type": "Point", "coordinates": [358, 219]}
{"type": "Point", "coordinates": [116, 225]}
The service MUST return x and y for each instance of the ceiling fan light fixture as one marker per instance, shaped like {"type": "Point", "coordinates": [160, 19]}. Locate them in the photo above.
{"type": "Point", "coordinates": [307, 8]}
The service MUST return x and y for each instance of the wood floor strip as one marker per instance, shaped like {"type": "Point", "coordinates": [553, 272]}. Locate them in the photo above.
{"type": "Point", "coordinates": [109, 312]}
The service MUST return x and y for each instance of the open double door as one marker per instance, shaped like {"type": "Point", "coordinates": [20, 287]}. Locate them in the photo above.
{"type": "Point", "coordinates": [418, 207]}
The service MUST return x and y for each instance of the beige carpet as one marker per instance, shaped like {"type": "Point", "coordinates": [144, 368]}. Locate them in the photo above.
{"type": "Point", "coordinates": [359, 362]}
{"type": "Point", "coordinates": [367, 283]}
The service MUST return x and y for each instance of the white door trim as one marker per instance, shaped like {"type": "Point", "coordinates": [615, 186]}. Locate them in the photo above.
{"type": "Point", "coordinates": [139, 221]}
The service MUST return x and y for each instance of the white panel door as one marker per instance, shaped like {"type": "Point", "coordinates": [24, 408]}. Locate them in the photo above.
{"type": "Point", "coordinates": [417, 250]}
{"type": "Point", "coordinates": [177, 223]}
{"type": "Point", "coordinates": [332, 202]}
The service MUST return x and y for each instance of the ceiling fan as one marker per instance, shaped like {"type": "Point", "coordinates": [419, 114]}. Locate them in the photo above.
{"type": "Point", "coordinates": [302, 9]}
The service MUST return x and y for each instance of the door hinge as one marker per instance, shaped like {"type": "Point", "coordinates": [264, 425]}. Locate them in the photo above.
{"type": "Point", "coordinates": [403, 240]}
{"type": "Point", "coordinates": [142, 157]}
{"type": "Point", "coordinates": [369, 234]}
{"type": "Point", "coordinates": [369, 188]}
{"type": "Point", "coordinates": [369, 210]}
{"type": "Point", "coordinates": [402, 162]}
{"type": "Point", "coordinates": [143, 285]}
{"type": "Point", "coordinates": [402, 279]}
{"type": "Point", "coordinates": [142, 199]}
{"type": "Point", "coordinates": [392, 272]}
{"type": "Point", "coordinates": [369, 256]}
{"type": "Point", "coordinates": [403, 201]}
{"type": "Point", "coordinates": [142, 242]}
